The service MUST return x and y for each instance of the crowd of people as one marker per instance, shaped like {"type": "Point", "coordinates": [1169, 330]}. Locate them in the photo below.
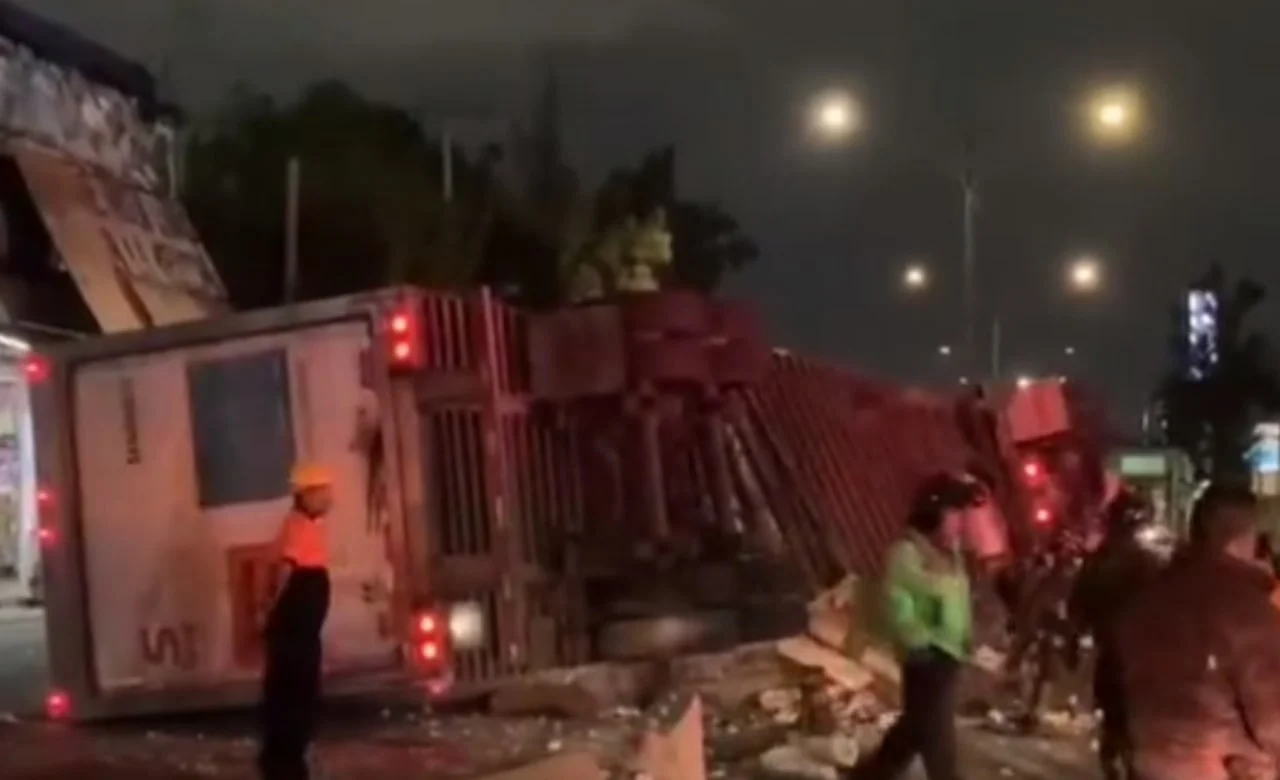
{"type": "Point", "coordinates": [1186, 661]}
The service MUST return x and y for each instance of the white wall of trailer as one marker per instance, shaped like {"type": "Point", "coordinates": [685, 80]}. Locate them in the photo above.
{"type": "Point", "coordinates": [168, 563]}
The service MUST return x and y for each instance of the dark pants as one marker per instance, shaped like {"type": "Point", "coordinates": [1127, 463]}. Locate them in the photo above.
{"type": "Point", "coordinates": [927, 725]}
{"type": "Point", "coordinates": [291, 679]}
{"type": "Point", "coordinates": [1114, 749]}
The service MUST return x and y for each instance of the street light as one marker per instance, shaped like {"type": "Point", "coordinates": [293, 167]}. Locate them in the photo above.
{"type": "Point", "coordinates": [945, 350]}
{"type": "Point", "coordinates": [1115, 114]}
{"type": "Point", "coordinates": [1084, 274]}
{"type": "Point", "coordinates": [834, 116]}
{"type": "Point", "coordinates": [1069, 351]}
{"type": "Point", "coordinates": [915, 277]}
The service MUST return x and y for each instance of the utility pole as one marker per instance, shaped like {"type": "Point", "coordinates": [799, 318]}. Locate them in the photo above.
{"type": "Point", "coordinates": [969, 185]}
{"type": "Point", "coordinates": [446, 164]}
{"type": "Point", "coordinates": [995, 349]}
{"type": "Point", "coordinates": [293, 183]}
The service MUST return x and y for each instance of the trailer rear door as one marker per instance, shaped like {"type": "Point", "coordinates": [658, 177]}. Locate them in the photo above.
{"type": "Point", "coordinates": [182, 458]}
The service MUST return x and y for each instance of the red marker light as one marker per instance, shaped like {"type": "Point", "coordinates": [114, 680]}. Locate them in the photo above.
{"type": "Point", "coordinates": [57, 706]}
{"type": "Point", "coordinates": [44, 498]}
{"type": "Point", "coordinates": [427, 624]}
{"type": "Point", "coordinates": [35, 368]}
{"type": "Point", "coordinates": [1031, 469]}
{"type": "Point", "coordinates": [47, 535]}
{"type": "Point", "coordinates": [404, 339]}
{"type": "Point", "coordinates": [430, 651]}
{"type": "Point", "coordinates": [1043, 516]}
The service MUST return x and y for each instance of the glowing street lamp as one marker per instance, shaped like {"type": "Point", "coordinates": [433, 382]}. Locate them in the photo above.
{"type": "Point", "coordinates": [1085, 274]}
{"type": "Point", "coordinates": [1115, 114]}
{"type": "Point", "coordinates": [915, 277]}
{"type": "Point", "coordinates": [945, 350]}
{"type": "Point", "coordinates": [835, 116]}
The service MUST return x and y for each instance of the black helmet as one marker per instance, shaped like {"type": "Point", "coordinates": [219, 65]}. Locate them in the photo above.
{"type": "Point", "coordinates": [938, 493]}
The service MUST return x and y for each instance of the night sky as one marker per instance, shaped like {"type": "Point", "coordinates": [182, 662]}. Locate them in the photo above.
{"type": "Point", "coordinates": [728, 81]}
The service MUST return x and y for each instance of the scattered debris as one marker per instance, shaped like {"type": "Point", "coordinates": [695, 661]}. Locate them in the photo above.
{"type": "Point", "coordinates": [674, 751]}
{"type": "Point", "coordinates": [791, 762]}
{"type": "Point", "coordinates": [804, 708]}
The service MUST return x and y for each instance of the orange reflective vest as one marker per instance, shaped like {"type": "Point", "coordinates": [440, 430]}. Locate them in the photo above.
{"type": "Point", "coordinates": [302, 542]}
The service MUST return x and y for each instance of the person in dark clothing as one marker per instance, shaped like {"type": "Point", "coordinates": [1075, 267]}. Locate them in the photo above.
{"type": "Point", "coordinates": [929, 611]}
{"type": "Point", "coordinates": [1043, 635]}
{"type": "Point", "coordinates": [1200, 654]}
{"type": "Point", "coordinates": [293, 622]}
{"type": "Point", "coordinates": [1267, 554]}
{"type": "Point", "coordinates": [1112, 576]}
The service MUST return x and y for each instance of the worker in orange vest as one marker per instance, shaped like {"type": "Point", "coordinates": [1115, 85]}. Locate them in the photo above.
{"type": "Point", "coordinates": [292, 622]}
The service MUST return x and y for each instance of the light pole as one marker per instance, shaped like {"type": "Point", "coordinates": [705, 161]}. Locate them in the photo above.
{"type": "Point", "coordinates": [969, 189]}
{"type": "Point", "coordinates": [447, 127]}
{"type": "Point", "coordinates": [1084, 276]}
{"type": "Point", "coordinates": [1114, 115]}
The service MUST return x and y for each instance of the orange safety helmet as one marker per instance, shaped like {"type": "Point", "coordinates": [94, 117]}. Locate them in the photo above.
{"type": "Point", "coordinates": [307, 475]}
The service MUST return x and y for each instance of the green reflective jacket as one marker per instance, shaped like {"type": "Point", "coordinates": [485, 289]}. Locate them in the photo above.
{"type": "Point", "coordinates": [927, 599]}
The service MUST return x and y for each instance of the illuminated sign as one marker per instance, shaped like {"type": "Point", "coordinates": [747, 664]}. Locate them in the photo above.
{"type": "Point", "coordinates": [1264, 455]}
{"type": "Point", "coordinates": [1202, 333]}
{"type": "Point", "coordinates": [1143, 465]}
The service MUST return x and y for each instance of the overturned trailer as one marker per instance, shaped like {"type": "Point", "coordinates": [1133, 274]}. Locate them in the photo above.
{"type": "Point", "coordinates": [627, 480]}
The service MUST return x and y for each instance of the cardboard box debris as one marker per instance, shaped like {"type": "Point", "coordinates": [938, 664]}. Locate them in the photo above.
{"type": "Point", "coordinates": [674, 750]}
{"type": "Point", "coordinates": [807, 652]}
{"type": "Point", "coordinates": [832, 623]}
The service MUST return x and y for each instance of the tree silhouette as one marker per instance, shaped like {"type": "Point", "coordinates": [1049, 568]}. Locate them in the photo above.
{"type": "Point", "coordinates": [372, 212]}
{"type": "Point", "coordinates": [1212, 417]}
{"type": "Point", "coordinates": [371, 209]}
{"type": "Point", "coordinates": [707, 243]}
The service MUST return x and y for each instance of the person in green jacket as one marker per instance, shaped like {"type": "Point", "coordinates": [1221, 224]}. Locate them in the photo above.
{"type": "Point", "coordinates": [929, 616]}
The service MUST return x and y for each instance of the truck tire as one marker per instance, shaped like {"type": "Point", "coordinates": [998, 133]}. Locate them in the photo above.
{"type": "Point", "coordinates": [667, 635]}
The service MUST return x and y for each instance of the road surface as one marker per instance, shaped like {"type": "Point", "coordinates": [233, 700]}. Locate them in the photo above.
{"type": "Point", "coordinates": [22, 661]}
{"type": "Point", "coordinates": [382, 745]}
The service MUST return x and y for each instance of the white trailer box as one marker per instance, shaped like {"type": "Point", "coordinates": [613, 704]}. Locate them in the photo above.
{"type": "Point", "coordinates": [163, 463]}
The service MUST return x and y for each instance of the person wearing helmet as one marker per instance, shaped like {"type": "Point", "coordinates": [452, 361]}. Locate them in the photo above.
{"type": "Point", "coordinates": [1116, 572]}
{"type": "Point", "coordinates": [1043, 635]}
{"type": "Point", "coordinates": [292, 622]}
{"type": "Point", "coordinates": [930, 618]}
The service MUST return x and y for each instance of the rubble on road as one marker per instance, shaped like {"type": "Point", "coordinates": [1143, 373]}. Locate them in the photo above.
{"type": "Point", "coordinates": [801, 708]}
